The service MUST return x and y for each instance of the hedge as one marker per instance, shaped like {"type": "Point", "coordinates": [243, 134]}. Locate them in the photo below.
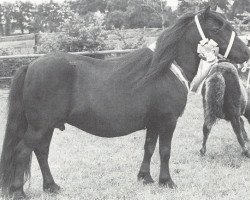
{"type": "Point", "coordinates": [8, 66]}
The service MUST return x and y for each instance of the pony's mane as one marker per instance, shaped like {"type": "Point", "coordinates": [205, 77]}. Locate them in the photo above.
{"type": "Point", "coordinates": [135, 67]}
{"type": "Point", "coordinates": [165, 51]}
{"type": "Point", "coordinates": [132, 67]}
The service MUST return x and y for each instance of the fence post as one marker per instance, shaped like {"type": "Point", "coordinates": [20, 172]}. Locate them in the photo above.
{"type": "Point", "coordinates": [36, 35]}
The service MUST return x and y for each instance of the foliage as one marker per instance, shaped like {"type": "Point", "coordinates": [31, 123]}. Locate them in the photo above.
{"type": "Point", "coordinates": [137, 14]}
{"type": "Point", "coordinates": [116, 19]}
{"type": "Point", "coordinates": [82, 7]}
{"type": "Point", "coordinates": [231, 9]}
{"type": "Point", "coordinates": [22, 15]}
{"type": "Point", "coordinates": [9, 66]}
{"type": "Point", "coordinates": [117, 5]}
{"type": "Point", "coordinates": [7, 14]}
{"type": "Point", "coordinates": [79, 34]}
{"type": "Point", "coordinates": [127, 44]}
{"type": "Point", "coordinates": [49, 17]}
{"type": "Point", "coordinates": [7, 51]}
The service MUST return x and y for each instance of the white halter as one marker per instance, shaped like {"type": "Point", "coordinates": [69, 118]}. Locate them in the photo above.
{"type": "Point", "coordinates": [204, 43]}
{"type": "Point", "coordinates": [209, 52]}
{"type": "Point", "coordinates": [206, 40]}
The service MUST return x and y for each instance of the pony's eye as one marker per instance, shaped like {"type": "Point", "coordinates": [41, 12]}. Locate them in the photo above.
{"type": "Point", "coordinates": [215, 30]}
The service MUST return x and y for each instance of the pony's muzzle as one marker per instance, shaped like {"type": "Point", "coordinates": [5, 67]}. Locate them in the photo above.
{"type": "Point", "coordinates": [247, 54]}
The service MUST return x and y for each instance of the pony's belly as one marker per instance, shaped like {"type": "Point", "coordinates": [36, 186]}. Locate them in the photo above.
{"type": "Point", "coordinates": [103, 128]}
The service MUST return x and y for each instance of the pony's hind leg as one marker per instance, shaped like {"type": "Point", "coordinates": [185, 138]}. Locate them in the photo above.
{"type": "Point", "coordinates": [42, 152]}
{"type": "Point", "coordinates": [244, 133]}
{"type": "Point", "coordinates": [32, 140]}
{"type": "Point", "coordinates": [236, 124]}
{"type": "Point", "coordinates": [149, 147]}
{"type": "Point", "coordinates": [22, 161]}
{"type": "Point", "coordinates": [206, 131]}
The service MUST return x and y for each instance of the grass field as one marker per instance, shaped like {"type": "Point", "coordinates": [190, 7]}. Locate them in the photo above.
{"type": "Point", "coordinates": [89, 167]}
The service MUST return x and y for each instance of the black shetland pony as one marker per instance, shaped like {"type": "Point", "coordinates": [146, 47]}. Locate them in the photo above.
{"type": "Point", "coordinates": [225, 97]}
{"type": "Point", "coordinates": [107, 98]}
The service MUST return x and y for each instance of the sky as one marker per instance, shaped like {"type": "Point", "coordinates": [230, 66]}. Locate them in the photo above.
{"type": "Point", "coordinates": [171, 3]}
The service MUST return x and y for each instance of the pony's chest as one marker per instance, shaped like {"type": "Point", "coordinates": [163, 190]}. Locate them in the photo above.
{"type": "Point", "coordinates": [170, 96]}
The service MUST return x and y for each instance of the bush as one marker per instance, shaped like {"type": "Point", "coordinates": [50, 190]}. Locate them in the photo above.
{"type": "Point", "coordinates": [8, 68]}
{"type": "Point", "coordinates": [79, 34]}
{"type": "Point", "coordinates": [116, 19]}
{"type": "Point", "coordinates": [10, 65]}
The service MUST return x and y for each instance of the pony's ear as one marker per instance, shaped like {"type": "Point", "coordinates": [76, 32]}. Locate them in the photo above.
{"type": "Point", "coordinates": [206, 12]}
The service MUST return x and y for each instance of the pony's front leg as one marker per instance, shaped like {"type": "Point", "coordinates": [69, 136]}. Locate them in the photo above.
{"type": "Point", "coordinates": [244, 133]}
{"type": "Point", "coordinates": [166, 130]}
{"type": "Point", "coordinates": [149, 147]}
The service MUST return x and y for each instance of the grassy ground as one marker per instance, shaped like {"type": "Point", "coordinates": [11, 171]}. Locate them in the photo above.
{"type": "Point", "coordinates": [89, 167]}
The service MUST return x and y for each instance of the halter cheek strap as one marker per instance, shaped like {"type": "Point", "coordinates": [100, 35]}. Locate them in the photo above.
{"type": "Point", "coordinates": [199, 28]}
{"type": "Point", "coordinates": [206, 40]}
{"type": "Point", "coordinates": [230, 44]}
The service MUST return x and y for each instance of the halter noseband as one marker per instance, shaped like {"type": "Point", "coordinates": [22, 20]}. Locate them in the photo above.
{"type": "Point", "coordinates": [206, 41]}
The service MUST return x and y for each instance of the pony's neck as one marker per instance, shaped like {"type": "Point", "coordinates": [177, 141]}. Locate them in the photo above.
{"type": "Point", "coordinates": [187, 58]}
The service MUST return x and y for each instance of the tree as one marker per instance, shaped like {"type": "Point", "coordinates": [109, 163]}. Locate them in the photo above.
{"type": "Point", "coordinates": [138, 13]}
{"type": "Point", "coordinates": [1, 19]}
{"type": "Point", "coordinates": [22, 15]}
{"type": "Point", "coordinates": [117, 5]}
{"type": "Point", "coordinates": [8, 17]}
{"type": "Point", "coordinates": [141, 14]}
{"type": "Point", "coordinates": [239, 6]}
{"type": "Point", "coordinates": [116, 19]}
{"type": "Point", "coordinates": [82, 7]}
{"type": "Point", "coordinates": [50, 16]}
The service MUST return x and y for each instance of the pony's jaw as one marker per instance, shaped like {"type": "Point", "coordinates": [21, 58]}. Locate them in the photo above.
{"type": "Point", "coordinates": [239, 52]}
{"type": "Point", "coordinates": [239, 57]}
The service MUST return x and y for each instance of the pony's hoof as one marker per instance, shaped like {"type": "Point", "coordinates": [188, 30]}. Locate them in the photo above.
{"type": "Point", "coordinates": [167, 183]}
{"type": "Point", "coordinates": [202, 152]}
{"type": "Point", "coordinates": [145, 177]}
{"type": "Point", "coordinates": [246, 154]}
{"type": "Point", "coordinates": [18, 195]}
{"type": "Point", "coordinates": [52, 188]}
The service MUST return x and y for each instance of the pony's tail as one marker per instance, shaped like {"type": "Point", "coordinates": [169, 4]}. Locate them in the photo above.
{"type": "Point", "coordinates": [213, 98]}
{"type": "Point", "coordinates": [15, 130]}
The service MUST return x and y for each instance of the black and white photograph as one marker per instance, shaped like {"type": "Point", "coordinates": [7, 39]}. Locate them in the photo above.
{"type": "Point", "coordinates": [124, 99]}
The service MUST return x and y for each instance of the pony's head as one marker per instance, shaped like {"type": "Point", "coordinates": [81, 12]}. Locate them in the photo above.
{"type": "Point", "coordinates": [217, 28]}
{"type": "Point", "coordinates": [180, 42]}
